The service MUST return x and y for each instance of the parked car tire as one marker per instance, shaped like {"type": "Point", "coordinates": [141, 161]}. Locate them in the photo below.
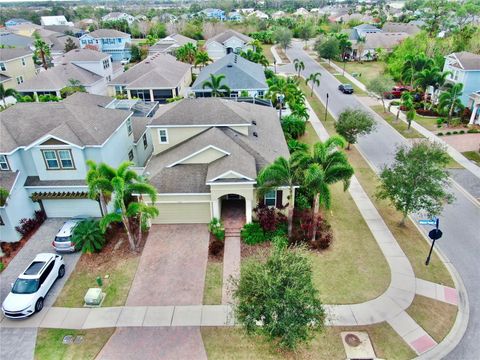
{"type": "Point", "coordinates": [61, 272]}
{"type": "Point", "coordinates": [39, 305]}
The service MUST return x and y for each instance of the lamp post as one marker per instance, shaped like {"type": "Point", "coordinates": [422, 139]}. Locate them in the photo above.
{"type": "Point", "coordinates": [280, 98]}
{"type": "Point", "coordinates": [344, 62]}
{"type": "Point", "coordinates": [326, 108]}
{"type": "Point", "coordinates": [275, 65]}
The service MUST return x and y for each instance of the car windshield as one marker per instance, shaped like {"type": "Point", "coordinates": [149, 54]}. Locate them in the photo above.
{"type": "Point", "coordinates": [25, 286]}
{"type": "Point", "coordinates": [62, 238]}
{"type": "Point", "coordinates": [348, 86]}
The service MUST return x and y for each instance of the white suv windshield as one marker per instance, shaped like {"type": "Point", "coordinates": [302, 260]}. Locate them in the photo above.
{"type": "Point", "coordinates": [62, 238]}
{"type": "Point", "coordinates": [25, 286]}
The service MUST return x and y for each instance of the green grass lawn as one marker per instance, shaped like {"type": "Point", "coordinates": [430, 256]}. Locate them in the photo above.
{"type": "Point", "coordinates": [268, 52]}
{"type": "Point", "coordinates": [356, 89]}
{"type": "Point", "coordinates": [212, 293]}
{"type": "Point", "coordinates": [473, 156]}
{"type": "Point", "coordinates": [367, 70]}
{"type": "Point", "coordinates": [49, 344]}
{"type": "Point", "coordinates": [429, 123]}
{"type": "Point", "coordinates": [233, 343]}
{"type": "Point", "coordinates": [435, 317]}
{"type": "Point", "coordinates": [400, 126]}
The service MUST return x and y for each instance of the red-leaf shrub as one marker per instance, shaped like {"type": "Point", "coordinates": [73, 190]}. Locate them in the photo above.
{"type": "Point", "coordinates": [28, 225]}
{"type": "Point", "coordinates": [424, 112]}
{"type": "Point", "coordinates": [269, 218]}
{"type": "Point", "coordinates": [303, 228]}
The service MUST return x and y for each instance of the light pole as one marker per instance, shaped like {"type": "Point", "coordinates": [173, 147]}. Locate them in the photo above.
{"type": "Point", "coordinates": [326, 108]}
{"type": "Point", "coordinates": [280, 101]}
{"type": "Point", "coordinates": [275, 65]}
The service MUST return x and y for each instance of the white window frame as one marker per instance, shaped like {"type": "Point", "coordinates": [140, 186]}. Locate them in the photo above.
{"type": "Point", "coordinates": [46, 160]}
{"type": "Point", "coordinates": [19, 79]}
{"type": "Point", "coordinates": [4, 165]}
{"type": "Point", "coordinates": [70, 158]}
{"type": "Point", "coordinates": [24, 63]}
{"type": "Point", "coordinates": [266, 197]}
{"type": "Point", "coordinates": [58, 159]}
{"type": "Point", "coordinates": [160, 136]}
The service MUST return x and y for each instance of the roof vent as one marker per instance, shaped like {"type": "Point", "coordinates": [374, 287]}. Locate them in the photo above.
{"type": "Point", "coordinates": [254, 122]}
{"type": "Point", "coordinates": [255, 134]}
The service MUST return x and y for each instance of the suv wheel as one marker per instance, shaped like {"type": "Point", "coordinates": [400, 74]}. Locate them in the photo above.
{"type": "Point", "coordinates": [39, 305]}
{"type": "Point", "coordinates": [61, 271]}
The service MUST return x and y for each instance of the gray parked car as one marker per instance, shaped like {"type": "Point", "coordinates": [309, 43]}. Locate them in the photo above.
{"type": "Point", "coordinates": [63, 240]}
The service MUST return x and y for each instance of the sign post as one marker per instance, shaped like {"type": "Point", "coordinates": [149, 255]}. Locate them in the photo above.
{"type": "Point", "coordinates": [434, 234]}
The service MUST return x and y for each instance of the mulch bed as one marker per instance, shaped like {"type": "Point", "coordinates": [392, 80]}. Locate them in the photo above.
{"type": "Point", "coordinates": [11, 249]}
{"type": "Point", "coordinates": [219, 256]}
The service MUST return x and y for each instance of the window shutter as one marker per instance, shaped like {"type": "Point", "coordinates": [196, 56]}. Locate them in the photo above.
{"type": "Point", "coordinates": [279, 198]}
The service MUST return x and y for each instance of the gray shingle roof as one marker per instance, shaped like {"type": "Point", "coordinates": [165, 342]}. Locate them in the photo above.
{"type": "Point", "coordinates": [165, 43]}
{"type": "Point", "coordinates": [108, 33]}
{"type": "Point", "coordinates": [80, 119]}
{"type": "Point", "coordinates": [157, 71]}
{"type": "Point", "coordinates": [7, 179]}
{"type": "Point", "coordinates": [468, 60]}
{"type": "Point", "coordinates": [410, 29]}
{"type": "Point", "coordinates": [56, 40]}
{"type": "Point", "coordinates": [383, 40]}
{"type": "Point", "coordinates": [139, 125]}
{"type": "Point", "coordinates": [11, 39]}
{"type": "Point", "coordinates": [240, 74]}
{"type": "Point", "coordinates": [82, 55]}
{"type": "Point", "coordinates": [224, 36]}
{"type": "Point", "coordinates": [35, 181]}
{"type": "Point", "coordinates": [13, 53]}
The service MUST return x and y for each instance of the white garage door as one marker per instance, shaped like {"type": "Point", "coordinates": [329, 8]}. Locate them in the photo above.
{"type": "Point", "coordinates": [183, 213]}
{"type": "Point", "coordinates": [71, 207]}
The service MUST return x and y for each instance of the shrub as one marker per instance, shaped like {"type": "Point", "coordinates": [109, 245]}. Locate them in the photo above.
{"type": "Point", "coordinates": [217, 229]}
{"type": "Point", "coordinates": [473, 131]}
{"type": "Point", "coordinates": [440, 134]}
{"type": "Point", "coordinates": [448, 133]}
{"type": "Point", "coordinates": [266, 217]}
{"type": "Point", "coordinates": [293, 126]}
{"type": "Point", "coordinates": [252, 233]}
{"type": "Point", "coordinates": [277, 298]}
{"type": "Point", "coordinates": [461, 132]}
{"type": "Point", "coordinates": [27, 226]}
{"type": "Point", "coordinates": [427, 112]}
{"type": "Point", "coordinates": [88, 237]}
{"type": "Point", "coordinates": [2, 266]}
{"type": "Point", "coordinates": [395, 103]}
{"type": "Point", "coordinates": [302, 202]}
{"type": "Point", "coordinates": [455, 133]}
{"type": "Point", "coordinates": [3, 196]}
{"type": "Point", "coordinates": [303, 228]}
{"type": "Point", "coordinates": [440, 121]}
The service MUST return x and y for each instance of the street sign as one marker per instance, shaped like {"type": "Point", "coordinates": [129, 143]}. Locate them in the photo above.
{"type": "Point", "coordinates": [428, 222]}
{"type": "Point", "coordinates": [435, 234]}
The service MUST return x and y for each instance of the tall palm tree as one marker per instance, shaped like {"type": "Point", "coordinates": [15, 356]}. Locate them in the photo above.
{"type": "Point", "coordinates": [187, 53]}
{"type": "Point", "coordinates": [344, 45]}
{"type": "Point", "coordinates": [413, 64]}
{"type": "Point", "coordinates": [256, 57]}
{"type": "Point", "coordinates": [426, 78]}
{"type": "Point", "coordinates": [281, 172]}
{"type": "Point", "coordinates": [98, 179]}
{"type": "Point", "coordinates": [314, 80]}
{"type": "Point", "coordinates": [325, 166]}
{"type": "Point", "coordinates": [299, 66]}
{"type": "Point", "coordinates": [126, 184]}
{"type": "Point", "coordinates": [42, 50]}
{"type": "Point", "coordinates": [281, 90]}
{"type": "Point", "coordinates": [4, 93]}
{"type": "Point", "coordinates": [202, 58]}
{"type": "Point", "coordinates": [449, 101]}
{"type": "Point", "coordinates": [216, 86]}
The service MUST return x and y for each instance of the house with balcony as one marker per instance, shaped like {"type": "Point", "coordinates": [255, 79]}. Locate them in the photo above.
{"type": "Point", "coordinates": [170, 43]}
{"type": "Point", "coordinates": [90, 68]}
{"type": "Point", "coordinates": [243, 77]}
{"type": "Point", "coordinates": [157, 78]}
{"type": "Point", "coordinates": [43, 157]}
{"type": "Point", "coordinates": [16, 67]}
{"type": "Point", "coordinates": [207, 152]}
{"type": "Point", "coordinates": [110, 41]}
{"type": "Point", "coordinates": [227, 42]}
{"type": "Point", "coordinates": [464, 67]}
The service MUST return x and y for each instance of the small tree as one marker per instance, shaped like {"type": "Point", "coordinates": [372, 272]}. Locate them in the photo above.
{"type": "Point", "coordinates": [277, 298]}
{"type": "Point", "coordinates": [314, 80]}
{"type": "Point", "coordinates": [72, 87]}
{"type": "Point", "coordinates": [379, 86]}
{"type": "Point", "coordinates": [328, 48]}
{"type": "Point", "coordinates": [299, 66]}
{"type": "Point", "coordinates": [42, 50]}
{"type": "Point", "coordinates": [4, 193]}
{"type": "Point", "coordinates": [449, 101]}
{"type": "Point", "coordinates": [352, 123]}
{"type": "Point", "coordinates": [88, 237]}
{"type": "Point", "coordinates": [70, 45]}
{"type": "Point", "coordinates": [283, 36]}
{"type": "Point", "coordinates": [417, 180]}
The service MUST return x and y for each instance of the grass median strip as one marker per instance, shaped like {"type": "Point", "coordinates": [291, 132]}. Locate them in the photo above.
{"type": "Point", "coordinates": [212, 293]}
{"type": "Point", "coordinates": [400, 126]}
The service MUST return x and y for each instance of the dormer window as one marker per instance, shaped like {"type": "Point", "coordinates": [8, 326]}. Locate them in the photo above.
{"type": "Point", "coordinates": [163, 136]}
{"type": "Point", "coordinates": [4, 166]}
{"type": "Point", "coordinates": [58, 159]}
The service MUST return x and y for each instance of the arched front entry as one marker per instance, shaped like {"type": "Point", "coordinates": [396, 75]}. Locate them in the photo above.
{"type": "Point", "coordinates": [233, 211]}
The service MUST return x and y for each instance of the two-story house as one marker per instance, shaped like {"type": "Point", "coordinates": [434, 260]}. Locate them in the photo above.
{"type": "Point", "coordinates": [92, 69]}
{"type": "Point", "coordinates": [211, 13]}
{"type": "Point", "coordinates": [243, 77]}
{"type": "Point", "coordinates": [43, 156]}
{"type": "Point", "coordinates": [157, 78]}
{"type": "Point", "coordinates": [119, 16]}
{"type": "Point", "coordinates": [16, 67]}
{"type": "Point", "coordinates": [110, 41]}
{"type": "Point", "coordinates": [227, 42]}
{"type": "Point", "coordinates": [170, 44]}
{"type": "Point", "coordinates": [208, 152]}
{"type": "Point", "coordinates": [464, 67]}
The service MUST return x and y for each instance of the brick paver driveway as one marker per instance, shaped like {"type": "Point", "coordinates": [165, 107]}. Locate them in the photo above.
{"type": "Point", "coordinates": [172, 267]}
{"type": "Point", "coordinates": [171, 272]}
{"type": "Point", "coordinates": [20, 343]}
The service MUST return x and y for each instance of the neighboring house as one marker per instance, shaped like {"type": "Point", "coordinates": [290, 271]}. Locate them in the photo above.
{"type": "Point", "coordinates": [301, 12]}
{"type": "Point", "coordinates": [54, 20]}
{"type": "Point", "coordinates": [464, 67]}
{"type": "Point", "coordinates": [259, 15]}
{"type": "Point", "coordinates": [474, 106]}
{"type": "Point", "coordinates": [361, 31]}
{"type": "Point", "coordinates": [170, 43]}
{"type": "Point", "coordinates": [67, 30]}
{"type": "Point", "coordinates": [57, 41]}
{"type": "Point", "coordinates": [227, 42]}
{"type": "Point", "coordinates": [110, 41]}
{"type": "Point", "coordinates": [26, 29]}
{"type": "Point", "coordinates": [235, 16]}
{"type": "Point", "coordinates": [213, 14]}
{"type": "Point", "coordinates": [16, 21]}
{"type": "Point", "coordinates": [278, 14]}
{"type": "Point", "coordinates": [118, 16]}
{"type": "Point", "coordinates": [93, 69]}
{"type": "Point", "coordinates": [157, 78]}
{"type": "Point", "coordinates": [395, 27]}
{"type": "Point", "coordinates": [374, 41]}
{"type": "Point", "coordinates": [85, 23]}
{"type": "Point", "coordinates": [208, 152]}
{"type": "Point", "coordinates": [43, 157]}
{"type": "Point", "coordinates": [8, 39]}
{"type": "Point", "coordinates": [354, 17]}
{"type": "Point", "coordinates": [240, 75]}
{"type": "Point", "coordinates": [16, 66]}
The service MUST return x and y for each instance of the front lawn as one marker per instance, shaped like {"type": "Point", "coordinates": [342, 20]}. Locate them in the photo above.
{"type": "Point", "coordinates": [233, 343]}
{"type": "Point", "coordinates": [400, 126]}
{"type": "Point", "coordinates": [50, 343]}
{"type": "Point", "coordinates": [268, 52]}
{"type": "Point", "coordinates": [366, 70]}
{"type": "Point", "coordinates": [428, 122]}
{"type": "Point", "coordinates": [472, 156]}
{"type": "Point", "coordinates": [212, 293]}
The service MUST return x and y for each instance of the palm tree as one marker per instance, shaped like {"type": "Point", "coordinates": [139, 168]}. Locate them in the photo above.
{"type": "Point", "coordinates": [215, 84]}
{"type": "Point", "coordinates": [327, 165]}
{"type": "Point", "coordinates": [406, 103]}
{"type": "Point", "coordinates": [280, 91]}
{"type": "Point", "coordinates": [426, 78]}
{"type": "Point", "coordinates": [256, 45]}
{"type": "Point", "coordinates": [126, 184]}
{"type": "Point", "coordinates": [42, 50]}
{"type": "Point", "coordinates": [202, 58]}
{"type": "Point", "coordinates": [314, 80]}
{"type": "Point", "coordinates": [4, 93]}
{"type": "Point", "coordinates": [449, 101]}
{"type": "Point", "coordinates": [256, 57]}
{"type": "Point", "coordinates": [281, 172]}
{"type": "Point", "coordinates": [88, 237]}
{"type": "Point", "coordinates": [187, 53]}
{"type": "Point", "coordinates": [344, 45]}
{"type": "Point", "coordinates": [299, 66]}
{"type": "Point", "coordinates": [99, 177]}
{"type": "Point", "coordinates": [412, 65]}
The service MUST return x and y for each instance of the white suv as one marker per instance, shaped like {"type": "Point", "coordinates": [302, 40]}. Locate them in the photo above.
{"type": "Point", "coordinates": [29, 290]}
{"type": "Point", "coordinates": [63, 240]}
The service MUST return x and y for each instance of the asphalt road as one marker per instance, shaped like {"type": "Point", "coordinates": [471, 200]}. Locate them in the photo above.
{"type": "Point", "coordinates": [459, 221]}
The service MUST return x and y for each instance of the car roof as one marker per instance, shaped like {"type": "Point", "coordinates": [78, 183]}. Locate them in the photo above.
{"type": "Point", "coordinates": [67, 227]}
{"type": "Point", "coordinates": [33, 269]}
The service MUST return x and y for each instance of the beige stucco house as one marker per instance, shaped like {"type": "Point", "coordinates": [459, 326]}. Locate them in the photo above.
{"type": "Point", "coordinates": [207, 152]}
{"type": "Point", "coordinates": [16, 66]}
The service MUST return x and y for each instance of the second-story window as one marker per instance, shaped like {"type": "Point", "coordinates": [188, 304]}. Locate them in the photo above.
{"type": "Point", "coordinates": [130, 155]}
{"type": "Point", "coordinates": [19, 79]}
{"type": "Point", "coordinates": [58, 159]}
{"type": "Point", "coordinates": [145, 142]}
{"type": "Point", "coordinates": [4, 166]}
{"type": "Point", "coordinates": [24, 63]}
{"type": "Point", "coordinates": [2, 66]}
{"type": "Point", "coordinates": [163, 136]}
{"type": "Point", "coordinates": [129, 126]}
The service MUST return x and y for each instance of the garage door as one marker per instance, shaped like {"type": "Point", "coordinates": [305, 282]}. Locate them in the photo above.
{"type": "Point", "coordinates": [183, 213]}
{"type": "Point", "coordinates": [71, 207]}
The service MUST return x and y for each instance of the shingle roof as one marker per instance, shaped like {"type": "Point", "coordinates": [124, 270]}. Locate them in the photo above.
{"type": "Point", "coordinates": [239, 74]}
{"type": "Point", "coordinates": [108, 33]}
{"type": "Point", "coordinates": [35, 181]}
{"type": "Point", "coordinates": [224, 36]}
{"type": "Point", "coordinates": [11, 39]}
{"type": "Point", "coordinates": [7, 179]}
{"type": "Point", "coordinates": [13, 53]}
{"type": "Point", "coordinates": [410, 29]}
{"type": "Point", "coordinates": [383, 40]}
{"type": "Point", "coordinates": [81, 119]}
{"type": "Point", "coordinates": [157, 71]}
{"type": "Point", "coordinates": [165, 43]}
{"type": "Point", "coordinates": [58, 77]}
{"type": "Point", "coordinates": [139, 125]}
{"type": "Point", "coordinates": [56, 40]}
{"type": "Point", "coordinates": [82, 55]}
{"type": "Point", "coordinates": [467, 60]}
